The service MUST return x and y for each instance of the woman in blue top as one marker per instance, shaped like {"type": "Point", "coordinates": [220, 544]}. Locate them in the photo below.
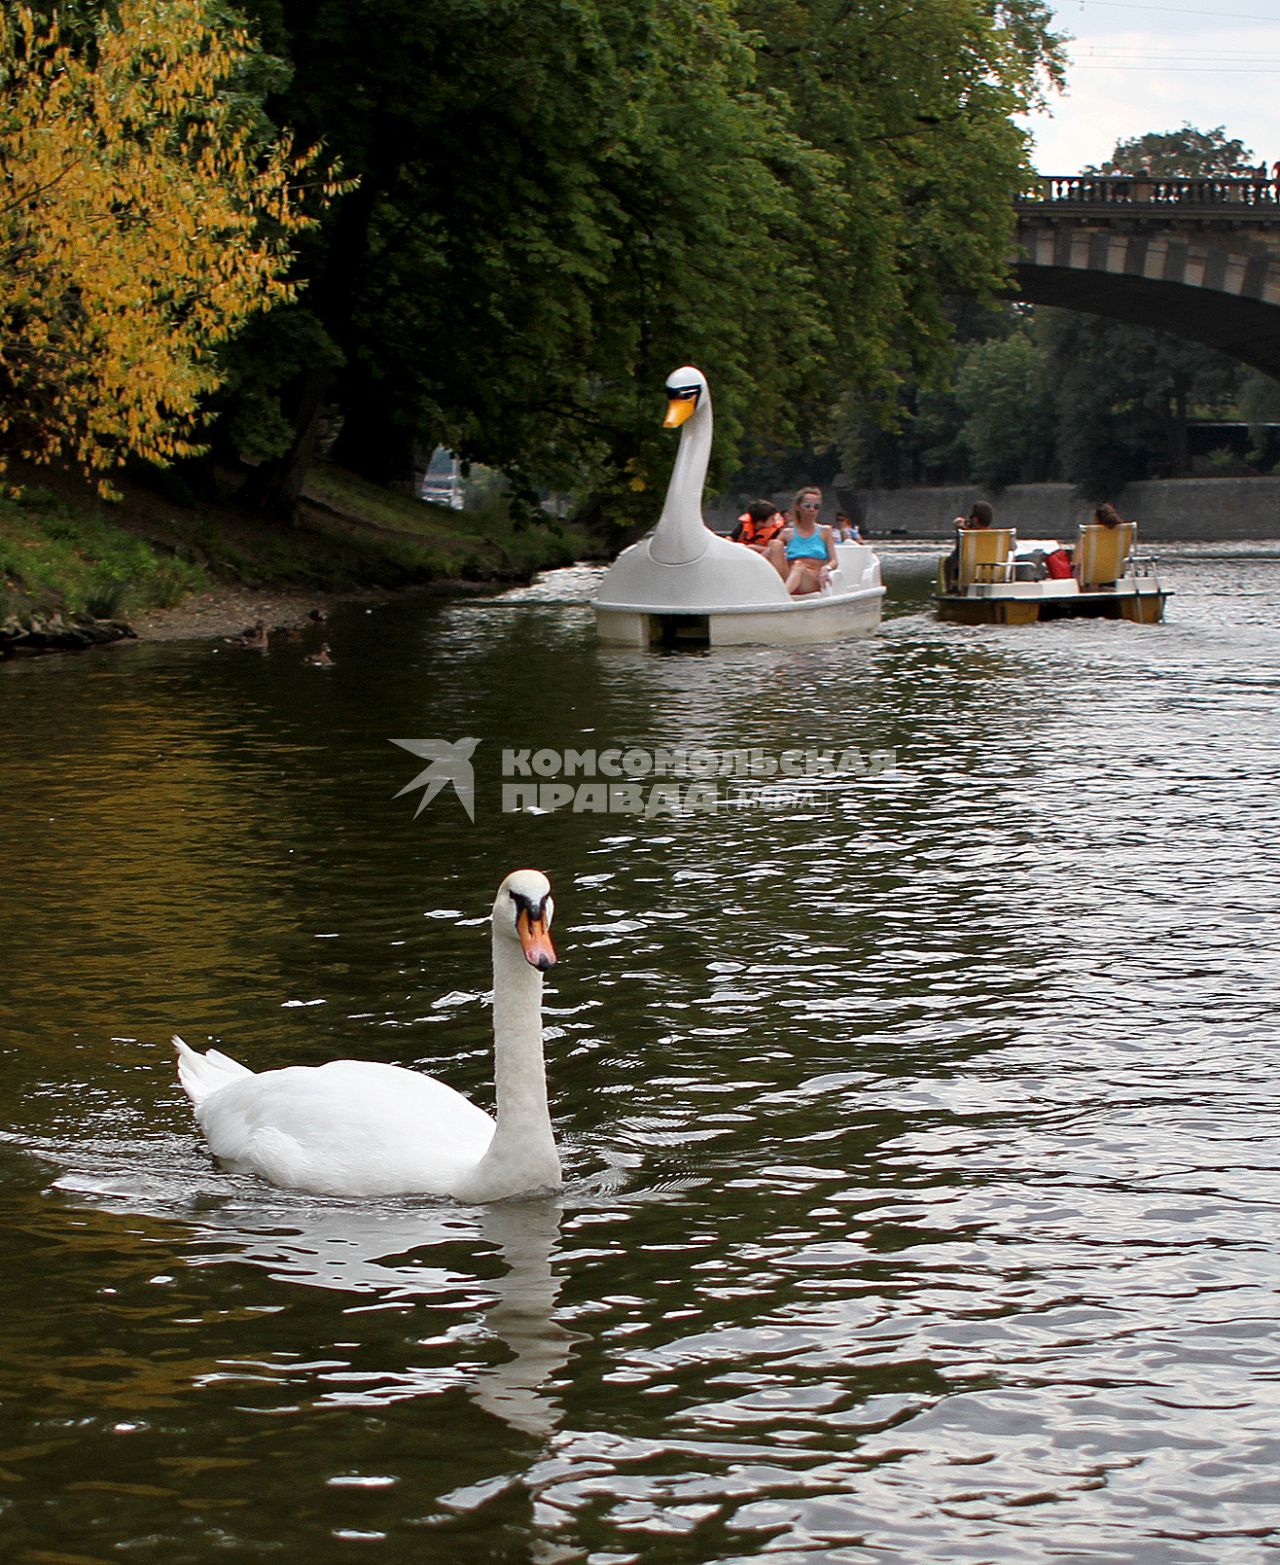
{"type": "Point", "coordinates": [804, 553]}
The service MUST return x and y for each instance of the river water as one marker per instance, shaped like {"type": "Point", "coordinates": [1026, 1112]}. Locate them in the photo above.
{"type": "Point", "coordinates": [919, 1124]}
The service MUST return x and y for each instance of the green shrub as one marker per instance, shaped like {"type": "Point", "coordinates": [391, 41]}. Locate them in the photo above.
{"type": "Point", "coordinates": [105, 596]}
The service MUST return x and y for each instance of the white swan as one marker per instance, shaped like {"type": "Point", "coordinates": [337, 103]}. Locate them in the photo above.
{"type": "Point", "coordinates": [357, 1128]}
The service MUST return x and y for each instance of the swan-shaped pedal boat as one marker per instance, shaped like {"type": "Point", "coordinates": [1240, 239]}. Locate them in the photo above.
{"type": "Point", "coordinates": [686, 584]}
{"type": "Point", "coordinates": [358, 1128]}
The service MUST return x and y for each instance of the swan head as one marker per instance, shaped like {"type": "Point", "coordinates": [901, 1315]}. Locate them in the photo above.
{"type": "Point", "coordinates": [686, 393]}
{"type": "Point", "coordinates": [522, 911]}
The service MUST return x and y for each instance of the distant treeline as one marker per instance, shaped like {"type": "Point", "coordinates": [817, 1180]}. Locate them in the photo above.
{"type": "Point", "coordinates": [509, 221]}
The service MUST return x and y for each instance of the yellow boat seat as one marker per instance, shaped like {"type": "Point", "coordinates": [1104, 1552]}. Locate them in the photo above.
{"type": "Point", "coordinates": [1102, 553]}
{"type": "Point", "coordinates": [986, 554]}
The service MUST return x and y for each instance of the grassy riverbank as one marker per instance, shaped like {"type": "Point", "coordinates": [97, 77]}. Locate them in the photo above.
{"type": "Point", "coordinates": [63, 552]}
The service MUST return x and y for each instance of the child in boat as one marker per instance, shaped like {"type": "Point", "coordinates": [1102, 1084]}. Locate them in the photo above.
{"type": "Point", "coordinates": [804, 554]}
{"type": "Point", "coordinates": [759, 525]}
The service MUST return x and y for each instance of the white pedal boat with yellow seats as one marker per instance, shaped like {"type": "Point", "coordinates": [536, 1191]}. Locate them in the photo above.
{"type": "Point", "coordinates": [686, 585]}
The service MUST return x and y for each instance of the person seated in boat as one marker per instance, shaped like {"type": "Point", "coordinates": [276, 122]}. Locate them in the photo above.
{"type": "Point", "coordinates": [980, 515]}
{"type": "Point", "coordinates": [804, 553]}
{"type": "Point", "coordinates": [845, 531]}
{"type": "Point", "coordinates": [759, 525]}
{"type": "Point", "coordinates": [1114, 552]}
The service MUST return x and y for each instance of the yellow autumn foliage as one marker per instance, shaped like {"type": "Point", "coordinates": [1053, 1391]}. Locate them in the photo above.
{"type": "Point", "coordinates": [141, 223]}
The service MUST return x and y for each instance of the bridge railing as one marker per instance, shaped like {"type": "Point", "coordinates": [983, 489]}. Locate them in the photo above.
{"type": "Point", "coordinates": [1125, 190]}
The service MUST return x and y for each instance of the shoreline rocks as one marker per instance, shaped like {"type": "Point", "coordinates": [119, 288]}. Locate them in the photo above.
{"type": "Point", "coordinates": [59, 632]}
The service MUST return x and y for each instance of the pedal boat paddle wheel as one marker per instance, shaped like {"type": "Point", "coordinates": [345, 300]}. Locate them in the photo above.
{"type": "Point", "coordinates": [992, 579]}
{"type": "Point", "coordinates": [686, 585]}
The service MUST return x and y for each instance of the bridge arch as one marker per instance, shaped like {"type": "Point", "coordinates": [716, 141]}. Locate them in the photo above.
{"type": "Point", "coordinates": [1196, 257]}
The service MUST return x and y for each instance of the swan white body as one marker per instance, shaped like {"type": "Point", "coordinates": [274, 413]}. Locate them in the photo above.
{"type": "Point", "coordinates": [359, 1128]}
{"type": "Point", "coordinates": [684, 582]}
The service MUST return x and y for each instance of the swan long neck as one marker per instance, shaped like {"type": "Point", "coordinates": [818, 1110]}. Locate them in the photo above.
{"type": "Point", "coordinates": [522, 1155]}
{"type": "Point", "coordinates": [681, 536]}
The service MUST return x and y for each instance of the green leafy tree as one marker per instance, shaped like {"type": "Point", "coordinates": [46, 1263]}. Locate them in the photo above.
{"type": "Point", "coordinates": [1259, 407]}
{"type": "Point", "coordinates": [1124, 394]}
{"type": "Point", "coordinates": [559, 200]}
{"type": "Point", "coordinates": [1178, 154]}
{"type": "Point", "coordinates": [1009, 412]}
{"type": "Point", "coordinates": [551, 214]}
{"type": "Point", "coordinates": [913, 104]}
{"type": "Point", "coordinates": [924, 443]}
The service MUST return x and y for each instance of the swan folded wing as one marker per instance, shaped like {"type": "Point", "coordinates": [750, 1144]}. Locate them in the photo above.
{"type": "Point", "coordinates": [350, 1127]}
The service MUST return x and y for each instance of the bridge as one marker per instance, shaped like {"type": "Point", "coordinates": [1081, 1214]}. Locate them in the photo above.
{"type": "Point", "coordinates": [1196, 257]}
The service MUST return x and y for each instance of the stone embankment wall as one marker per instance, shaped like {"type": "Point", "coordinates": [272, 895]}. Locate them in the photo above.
{"type": "Point", "coordinates": [1183, 509]}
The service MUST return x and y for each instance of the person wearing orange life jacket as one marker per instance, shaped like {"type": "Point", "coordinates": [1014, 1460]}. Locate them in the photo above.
{"type": "Point", "coordinates": [759, 525]}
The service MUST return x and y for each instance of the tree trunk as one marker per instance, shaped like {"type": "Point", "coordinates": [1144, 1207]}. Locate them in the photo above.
{"type": "Point", "coordinates": [275, 486]}
{"type": "Point", "coordinates": [1176, 427]}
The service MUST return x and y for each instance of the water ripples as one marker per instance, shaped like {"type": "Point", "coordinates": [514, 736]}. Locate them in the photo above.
{"type": "Point", "coordinates": [920, 1137]}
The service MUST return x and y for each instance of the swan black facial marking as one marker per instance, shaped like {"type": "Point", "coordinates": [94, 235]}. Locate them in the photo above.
{"type": "Point", "coordinates": [684, 393]}
{"type": "Point", "coordinates": [535, 910]}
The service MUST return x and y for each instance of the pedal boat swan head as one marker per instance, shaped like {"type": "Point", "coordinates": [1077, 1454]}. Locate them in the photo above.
{"type": "Point", "coordinates": [683, 567]}
{"type": "Point", "coordinates": [359, 1128]}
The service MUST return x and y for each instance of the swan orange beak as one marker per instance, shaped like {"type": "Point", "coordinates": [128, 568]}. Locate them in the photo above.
{"type": "Point", "coordinates": [535, 938]}
{"type": "Point", "coordinates": [678, 410]}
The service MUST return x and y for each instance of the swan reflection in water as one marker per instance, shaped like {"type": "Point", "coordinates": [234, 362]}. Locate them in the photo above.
{"type": "Point", "coordinates": [388, 1254]}
{"type": "Point", "coordinates": [384, 1252]}
{"type": "Point", "coordinates": [522, 1317]}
